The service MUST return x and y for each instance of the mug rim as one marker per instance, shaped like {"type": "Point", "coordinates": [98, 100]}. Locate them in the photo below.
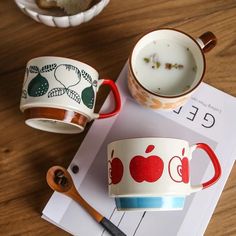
{"type": "Point", "coordinates": [65, 58]}
{"type": "Point", "coordinates": [166, 96]}
{"type": "Point", "coordinates": [146, 138]}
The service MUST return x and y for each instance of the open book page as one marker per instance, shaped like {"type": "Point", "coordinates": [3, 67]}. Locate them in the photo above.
{"type": "Point", "coordinates": [209, 116]}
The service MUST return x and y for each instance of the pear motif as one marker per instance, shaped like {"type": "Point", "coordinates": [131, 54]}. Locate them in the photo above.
{"type": "Point", "coordinates": [88, 97]}
{"type": "Point", "coordinates": [88, 94]}
{"type": "Point", "coordinates": [68, 76]}
{"type": "Point", "coordinates": [38, 86]}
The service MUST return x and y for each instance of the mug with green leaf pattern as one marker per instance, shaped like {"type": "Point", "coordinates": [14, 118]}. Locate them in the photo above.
{"type": "Point", "coordinates": [59, 94]}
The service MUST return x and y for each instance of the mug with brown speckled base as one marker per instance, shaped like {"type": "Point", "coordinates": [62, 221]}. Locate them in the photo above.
{"type": "Point", "coordinates": [59, 94]}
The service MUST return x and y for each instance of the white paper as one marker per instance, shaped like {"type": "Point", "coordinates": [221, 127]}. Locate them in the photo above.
{"type": "Point", "coordinates": [209, 116]}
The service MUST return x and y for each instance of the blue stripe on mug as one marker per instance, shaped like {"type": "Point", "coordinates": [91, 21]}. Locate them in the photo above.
{"type": "Point", "coordinates": [159, 203]}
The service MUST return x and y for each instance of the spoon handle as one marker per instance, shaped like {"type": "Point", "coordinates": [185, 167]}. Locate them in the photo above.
{"type": "Point", "coordinates": [78, 198]}
{"type": "Point", "coordinates": [107, 224]}
{"type": "Point", "coordinates": [111, 228]}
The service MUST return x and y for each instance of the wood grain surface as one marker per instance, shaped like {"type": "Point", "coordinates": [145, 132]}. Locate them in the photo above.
{"type": "Point", "coordinates": [104, 42]}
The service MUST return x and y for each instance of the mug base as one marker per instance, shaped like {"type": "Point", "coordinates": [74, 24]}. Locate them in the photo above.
{"type": "Point", "coordinates": [53, 126]}
{"type": "Point", "coordinates": [55, 120]}
{"type": "Point", "coordinates": [165, 203]}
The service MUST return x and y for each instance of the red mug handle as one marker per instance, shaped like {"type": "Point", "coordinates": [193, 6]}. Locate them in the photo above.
{"type": "Point", "coordinates": [116, 94]}
{"type": "Point", "coordinates": [207, 41]}
{"type": "Point", "coordinates": [215, 162]}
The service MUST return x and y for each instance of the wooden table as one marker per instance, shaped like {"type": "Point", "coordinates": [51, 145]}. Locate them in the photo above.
{"type": "Point", "coordinates": [106, 42]}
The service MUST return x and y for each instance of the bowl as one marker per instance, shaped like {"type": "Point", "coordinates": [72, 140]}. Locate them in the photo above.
{"type": "Point", "coordinates": [57, 18]}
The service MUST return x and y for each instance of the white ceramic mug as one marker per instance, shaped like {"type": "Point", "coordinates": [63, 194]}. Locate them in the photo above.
{"type": "Point", "coordinates": [153, 173]}
{"type": "Point", "coordinates": [166, 66]}
{"type": "Point", "coordinates": [59, 94]}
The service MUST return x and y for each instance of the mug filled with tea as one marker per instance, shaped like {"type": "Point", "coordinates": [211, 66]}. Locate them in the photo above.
{"type": "Point", "coordinates": [154, 173]}
{"type": "Point", "coordinates": [166, 66]}
{"type": "Point", "coordinates": [59, 94]}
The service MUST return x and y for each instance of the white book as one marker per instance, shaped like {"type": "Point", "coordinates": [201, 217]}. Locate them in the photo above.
{"type": "Point", "coordinates": [209, 116]}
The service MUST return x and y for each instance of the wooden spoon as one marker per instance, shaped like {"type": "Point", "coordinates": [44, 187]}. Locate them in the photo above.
{"type": "Point", "coordinates": [59, 179]}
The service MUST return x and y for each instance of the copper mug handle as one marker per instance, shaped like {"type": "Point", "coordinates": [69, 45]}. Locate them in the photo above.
{"type": "Point", "coordinates": [207, 41]}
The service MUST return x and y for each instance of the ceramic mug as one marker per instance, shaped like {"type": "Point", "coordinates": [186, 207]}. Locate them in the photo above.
{"type": "Point", "coordinates": [166, 66]}
{"type": "Point", "coordinates": [153, 173]}
{"type": "Point", "coordinates": [59, 94]}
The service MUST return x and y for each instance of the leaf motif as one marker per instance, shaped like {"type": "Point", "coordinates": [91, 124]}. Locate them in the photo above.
{"type": "Point", "coordinates": [24, 93]}
{"type": "Point", "coordinates": [73, 95]}
{"type": "Point", "coordinates": [34, 69]}
{"type": "Point", "coordinates": [87, 76]}
{"type": "Point", "coordinates": [26, 75]}
{"type": "Point", "coordinates": [48, 68]}
{"type": "Point", "coordinates": [27, 72]}
{"type": "Point", "coordinates": [149, 148]}
{"type": "Point", "coordinates": [74, 68]}
{"type": "Point", "coordinates": [56, 92]}
{"type": "Point", "coordinates": [95, 83]}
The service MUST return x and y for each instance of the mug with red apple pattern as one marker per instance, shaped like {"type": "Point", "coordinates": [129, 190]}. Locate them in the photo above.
{"type": "Point", "coordinates": [153, 173]}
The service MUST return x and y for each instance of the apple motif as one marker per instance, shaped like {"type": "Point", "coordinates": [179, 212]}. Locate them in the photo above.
{"type": "Point", "coordinates": [179, 168]}
{"type": "Point", "coordinates": [116, 169]}
{"type": "Point", "coordinates": [148, 169]}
